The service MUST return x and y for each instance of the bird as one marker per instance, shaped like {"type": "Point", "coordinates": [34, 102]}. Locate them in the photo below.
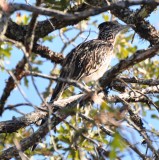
{"type": "Point", "coordinates": [89, 60]}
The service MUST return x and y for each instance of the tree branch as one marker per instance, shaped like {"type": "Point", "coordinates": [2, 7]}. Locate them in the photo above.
{"type": "Point", "coordinates": [45, 52]}
{"type": "Point", "coordinates": [150, 82]}
{"type": "Point", "coordinates": [18, 73]}
{"type": "Point", "coordinates": [43, 130]}
{"type": "Point", "coordinates": [81, 15]}
{"type": "Point", "coordinates": [13, 125]}
{"type": "Point", "coordinates": [126, 63]}
{"type": "Point", "coordinates": [141, 26]}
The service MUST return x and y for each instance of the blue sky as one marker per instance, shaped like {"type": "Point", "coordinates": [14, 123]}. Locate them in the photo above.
{"type": "Point", "coordinates": [56, 45]}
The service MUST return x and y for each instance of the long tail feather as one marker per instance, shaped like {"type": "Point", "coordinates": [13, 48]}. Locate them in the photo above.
{"type": "Point", "coordinates": [57, 91]}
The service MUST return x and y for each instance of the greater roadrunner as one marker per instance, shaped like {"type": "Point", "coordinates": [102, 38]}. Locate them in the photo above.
{"type": "Point", "coordinates": [89, 60]}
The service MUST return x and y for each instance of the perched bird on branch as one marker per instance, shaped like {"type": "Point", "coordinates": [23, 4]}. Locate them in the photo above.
{"type": "Point", "coordinates": [89, 60]}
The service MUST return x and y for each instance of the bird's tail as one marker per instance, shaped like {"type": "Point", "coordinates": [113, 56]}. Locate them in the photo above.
{"type": "Point", "coordinates": [58, 91]}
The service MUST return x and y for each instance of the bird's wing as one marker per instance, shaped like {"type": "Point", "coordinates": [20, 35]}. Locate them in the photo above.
{"type": "Point", "coordinates": [85, 59]}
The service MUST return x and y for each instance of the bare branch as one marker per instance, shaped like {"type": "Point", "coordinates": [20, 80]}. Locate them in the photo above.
{"type": "Point", "coordinates": [150, 82]}
{"type": "Point", "coordinates": [30, 35]}
{"type": "Point", "coordinates": [45, 52]}
{"type": "Point", "coordinates": [13, 125]}
{"type": "Point", "coordinates": [81, 15]}
{"type": "Point", "coordinates": [69, 81]}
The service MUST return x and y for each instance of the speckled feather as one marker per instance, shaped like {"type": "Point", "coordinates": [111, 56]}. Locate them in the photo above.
{"type": "Point", "coordinates": [89, 60]}
{"type": "Point", "coordinates": [85, 59]}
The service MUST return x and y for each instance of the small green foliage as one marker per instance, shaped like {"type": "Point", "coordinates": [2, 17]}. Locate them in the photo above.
{"type": "Point", "coordinates": [104, 106]}
{"type": "Point", "coordinates": [5, 50]}
{"type": "Point", "coordinates": [22, 19]}
{"type": "Point", "coordinates": [48, 38]}
{"type": "Point", "coordinates": [105, 17]}
{"type": "Point", "coordinates": [58, 4]}
{"type": "Point", "coordinates": [26, 82]}
{"type": "Point", "coordinates": [154, 116]}
{"type": "Point", "coordinates": [123, 46]}
{"type": "Point", "coordinates": [117, 144]}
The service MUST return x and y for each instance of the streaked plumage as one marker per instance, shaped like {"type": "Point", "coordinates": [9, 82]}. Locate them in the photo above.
{"type": "Point", "coordinates": [89, 60]}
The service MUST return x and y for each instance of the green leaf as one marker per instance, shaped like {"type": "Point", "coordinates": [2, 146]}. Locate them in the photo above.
{"type": "Point", "coordinates": [105, 17]}
{"type": "Point", "coordinates": [26, 82]}
{"type": "Point", "coordinates": [116, 144]}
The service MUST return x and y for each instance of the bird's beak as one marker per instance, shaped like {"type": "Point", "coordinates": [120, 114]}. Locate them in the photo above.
{"type": "Point", "coordinates": [123, 27]}
{"type": "Point", "coordinates": [126, 26]}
